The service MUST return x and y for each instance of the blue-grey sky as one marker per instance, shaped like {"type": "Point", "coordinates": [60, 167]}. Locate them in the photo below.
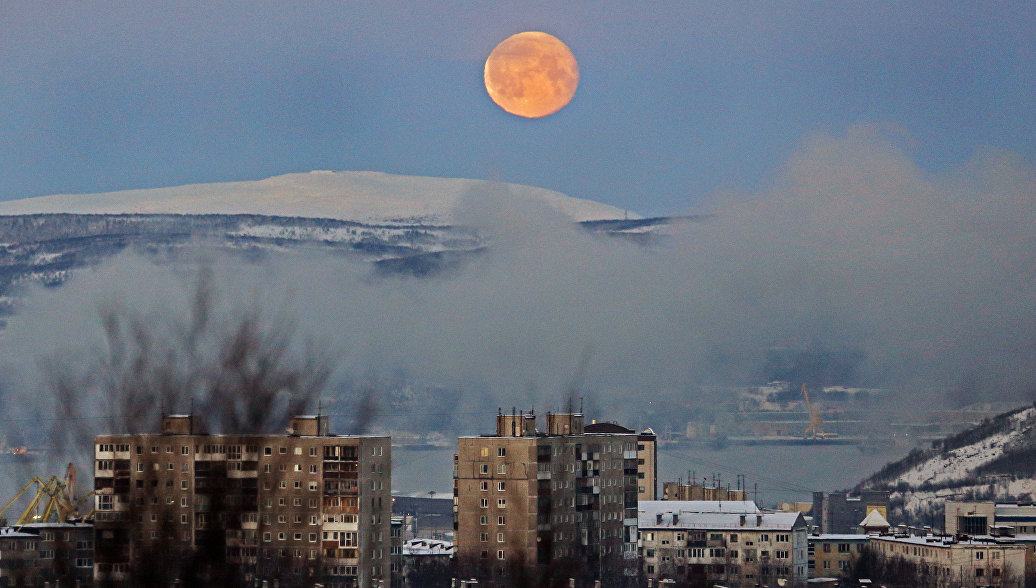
{"type": "Point", "coordinates": [676, 100]}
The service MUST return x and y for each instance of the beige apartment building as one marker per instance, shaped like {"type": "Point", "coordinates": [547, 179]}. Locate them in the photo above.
{"type": "Point", "coordinates": [299, 506]}
{"type": "Point", "coordinates": [729, 542]}
{"type": "Point", "coordinates": [947, 562]}
{"type": "Point", "coordinates": [647, 456]}
{"type": "Point", "coordinates": [834, 555]}
{"type": "Point", "coordinates": [529, 501]}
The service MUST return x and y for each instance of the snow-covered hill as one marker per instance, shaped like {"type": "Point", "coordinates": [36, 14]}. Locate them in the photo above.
{"type": "Point", "coordinates": [996, 459]}
{"type": "Point", "coordinates": [365, 197]}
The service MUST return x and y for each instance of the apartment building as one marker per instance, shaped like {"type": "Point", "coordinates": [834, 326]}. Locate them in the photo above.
{"type": "Point", "coordinates": [647, 456]}
{"type": "Point", "coordinates": [527, 500]}
{"type": "Point", "coordinates": [730, 542]}
{"type": "Point", "coordinates": [947, 562]}
{"type": "Point", "coordinates": [979, 518]}
{"type": "Point", "coordinates": [692, 491]}
{"type": "Point", "coordinates": [19, 557]}
{"type": "Point", "coordinates": [301, 505]}
{"type": "Point", "coordinates": [834, 555]}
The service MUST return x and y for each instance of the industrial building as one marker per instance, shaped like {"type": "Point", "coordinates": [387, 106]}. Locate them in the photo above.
{"type": "Point", "coordinates": [840, 513]}
{"type": "Point", "coordinates": [302, 505]}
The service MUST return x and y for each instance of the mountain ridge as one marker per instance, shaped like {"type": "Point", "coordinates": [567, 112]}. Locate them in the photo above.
{"type": "Point", "coordinates": [365, 196]}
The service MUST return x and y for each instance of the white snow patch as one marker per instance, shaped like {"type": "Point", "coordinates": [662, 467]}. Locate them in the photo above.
{"type": "Point", "coordinates": [369, 197]}
{"type": "Point", "coordinates": [960, 461]}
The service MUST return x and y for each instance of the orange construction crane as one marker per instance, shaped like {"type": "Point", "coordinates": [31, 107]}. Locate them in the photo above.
{"type": "Point", "coordinates": [55, 496]}
{"type": "Point", "coordinates": [815, 430]}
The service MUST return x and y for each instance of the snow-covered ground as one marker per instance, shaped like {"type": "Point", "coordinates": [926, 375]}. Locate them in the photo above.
{"type": "Point", "coordinates": [367, 197]}
{"type": "Point", "coordinates": [960, 461]}
{"type": "Point", "coordinates": [920, 502]}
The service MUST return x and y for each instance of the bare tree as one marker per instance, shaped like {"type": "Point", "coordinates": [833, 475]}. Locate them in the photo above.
{"type": "Point", "coordinates": [244, 374]}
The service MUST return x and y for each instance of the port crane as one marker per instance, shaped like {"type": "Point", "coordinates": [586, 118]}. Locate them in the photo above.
{"type": "Point", "coordinates": [815, 430]}
{"type": "Point", "coordinates": [55, 500]}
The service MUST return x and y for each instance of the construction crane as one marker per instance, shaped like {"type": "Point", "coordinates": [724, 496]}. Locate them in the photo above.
{"type": "Point", "coordinates": [815, 430]}
{"type": "Point", "coordinates": [55, 499]}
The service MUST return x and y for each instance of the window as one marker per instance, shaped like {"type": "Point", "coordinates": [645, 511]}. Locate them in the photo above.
{"type": "Point", "coordinates": [267, 450]}
{"type": "Point", "coordinates": [501, 503]}
{"type": "Point", "coordinates": [282, 450]}
{"type": "Point", "coordinates": [501, 451]}
{"type": "Point", "coordinates": [501, 468]}
{"type": "Point", "coordinates": [500, 486]}
{"type": "Point", "coordinates": [733, 537]}
{"type": "Point", "coordinates": [500, 554]}
{"type": "Point", "coordinates": [980, 555]}
{"type": "Point", "coordinates": [501, 521]}
{"type": "Point", "coordinates": [483, 520]}
{"type": "Point", "coordinates": [483, 537]}
{"type": "Point", "coordinates": [484, 503]}
{"type": "Point", "coordinates": [827, 548]}
{"type": "Point", "coordinates": [483, 485]}
{"type": "Point", "coordinates": [483, 469]}
{"type": "Point", "coordinates": [499, 537]}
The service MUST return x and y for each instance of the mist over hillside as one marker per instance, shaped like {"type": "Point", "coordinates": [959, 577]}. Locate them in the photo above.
{"type": "Point", "coordinates": [925, 282]}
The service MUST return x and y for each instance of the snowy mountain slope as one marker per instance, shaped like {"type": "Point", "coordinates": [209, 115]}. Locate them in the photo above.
{"type": "Point", "coordinates": [365, 197]}
{"type": "Point", "coordinates": [996, 459]}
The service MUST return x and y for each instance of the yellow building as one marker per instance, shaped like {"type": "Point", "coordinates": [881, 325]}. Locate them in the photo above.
{"type": "Point", "coordinates": [951, 563]}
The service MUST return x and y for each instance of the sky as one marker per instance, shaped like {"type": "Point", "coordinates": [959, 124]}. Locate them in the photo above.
{"type": "Point", "coordinates": [676, 102]}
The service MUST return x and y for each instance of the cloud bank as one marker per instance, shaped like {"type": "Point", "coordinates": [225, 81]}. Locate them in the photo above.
{"type": "Point", "coordinates": [930, 278]}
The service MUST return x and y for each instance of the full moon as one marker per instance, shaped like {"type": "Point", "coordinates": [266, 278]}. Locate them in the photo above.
{"type": "Point", "coordinates": [531, 74]}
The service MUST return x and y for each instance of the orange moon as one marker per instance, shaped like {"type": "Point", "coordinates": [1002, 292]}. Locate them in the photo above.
{"type": "Point", "coordinates": [531, 74]}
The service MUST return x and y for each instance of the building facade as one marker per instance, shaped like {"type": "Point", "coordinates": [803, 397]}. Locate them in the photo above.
{"type": "Point", "coordinates": [647, 456]}
{"type": "Point", "coordinates": [298, 506]}
{"type": "Point", "coordinates": [980, 518]}
{"type": "Point", "coordinates": [733, 543]}
{"type": "Point", "coordinates": [834, 555]}
{"type": "Point", "coordinates": [946, 562]}
{"type": "Point", "coordinates": [841, 513]}
{"type": "Point", "coordinates": [527, 500]}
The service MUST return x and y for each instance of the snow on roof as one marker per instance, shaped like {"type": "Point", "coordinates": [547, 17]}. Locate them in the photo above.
{"type": "Point", "coordinates": [693, 519]}
{"type": "Point", "coordinates": [692, 506]}
{"type": "Point", "coordinates": [9, 533]}
{"type": "Point", "coordinates": [838, 537]}
{"type": "Point", "coordinates": [874, 519]}
{"type": "Point", "coordinates": [427, 547]}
